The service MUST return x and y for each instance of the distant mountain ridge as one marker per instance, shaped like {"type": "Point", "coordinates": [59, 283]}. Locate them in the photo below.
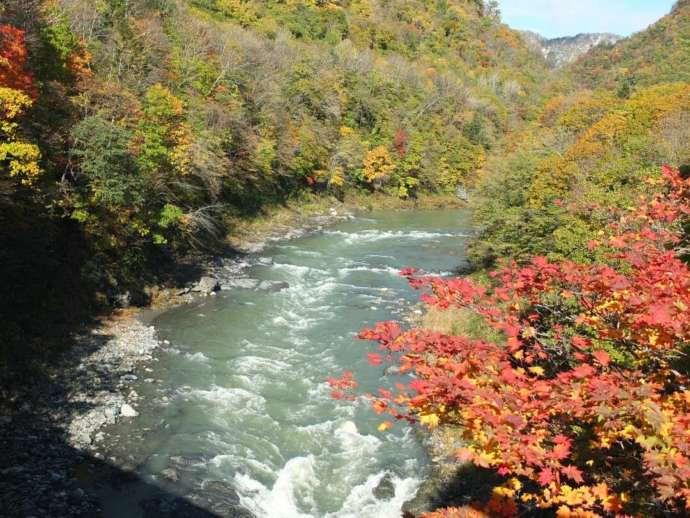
{"type": "Point", "coordinates": [560, 52]}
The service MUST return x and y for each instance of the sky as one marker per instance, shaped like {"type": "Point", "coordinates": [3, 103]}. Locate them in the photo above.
{"type": "Point", "coordinates": [554, 18]}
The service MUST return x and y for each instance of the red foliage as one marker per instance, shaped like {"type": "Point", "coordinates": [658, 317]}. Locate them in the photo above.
{"type": "Point", "coordinates": [588, 390]}
{"type": "Point", "coordinates": [13, 57]}
{"type": "Point", "coordinates": [400, 142]}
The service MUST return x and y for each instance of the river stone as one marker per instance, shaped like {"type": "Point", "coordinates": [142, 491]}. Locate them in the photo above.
{"type": "Point", "coordinates": [273, 285]}
{"type": "Point", "coordinates": [207, 285]}
{"type": "Point", "coordinates": [170, 474]}
{"type": "Point", "coordinates": [221, 490]}
{"type": "Point", "coordinates": [385, 490]}
{"type": "Point", "coordinates": [245, 284]}
{"type": "Point", "coordinates": [128, 411]}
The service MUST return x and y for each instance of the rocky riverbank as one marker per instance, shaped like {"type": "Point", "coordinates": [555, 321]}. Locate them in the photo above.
{"type": "Point", "coordinates": [49, 427]}
{"type": "Point", "coordinates": [55, 460]}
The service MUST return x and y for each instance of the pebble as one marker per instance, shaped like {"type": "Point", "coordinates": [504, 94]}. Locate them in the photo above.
{"type": "Point", "coordinates": [128, 411]}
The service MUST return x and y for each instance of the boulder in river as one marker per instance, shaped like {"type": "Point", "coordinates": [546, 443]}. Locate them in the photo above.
{"type": "Point", "coordinates": [385, 490]}
{"type": "Point", "coordinates": [207, 285]}
{"type": "Point", "coordinates": [170, 474]}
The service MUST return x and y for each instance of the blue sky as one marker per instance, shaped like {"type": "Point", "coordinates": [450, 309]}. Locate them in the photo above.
{"type": "Point", "coordinates": [553, 18]}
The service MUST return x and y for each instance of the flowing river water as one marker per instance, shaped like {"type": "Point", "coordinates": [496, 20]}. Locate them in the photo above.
{"type": "Point", "coordinates": [240, 398]}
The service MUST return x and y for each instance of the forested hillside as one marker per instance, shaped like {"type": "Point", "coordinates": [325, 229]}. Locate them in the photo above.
{"type": "Point", "coordinates": [133, 132]}
{"type": "Point", "coordinates": [658, 54]}
{"type": "Point", "coordinates": [553, 185]}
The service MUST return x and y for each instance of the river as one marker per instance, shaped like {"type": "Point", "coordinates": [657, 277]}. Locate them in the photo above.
{"type": "Point", "coordinates": [238, 398]}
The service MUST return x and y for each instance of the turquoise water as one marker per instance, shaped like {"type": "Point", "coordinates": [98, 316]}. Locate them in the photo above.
{"type": "Point", "coordinates": [242, 395]}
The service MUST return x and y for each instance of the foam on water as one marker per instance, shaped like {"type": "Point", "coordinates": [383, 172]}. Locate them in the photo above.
{"type": "Point", "coordinates": [258, 364]}
{"type": "Point", "coordinates": [290, 492]}
{"type": "Point", "coordinates": [371, 236]}
{"type": "Point", "coordinates": [299, 484]}
{"type": "Point", "coordinates": [298, 270]}
{"type": "Point", "coordinates": [196, 357]}
{"type": "Point", "coordinates": [234, 398]}
{"type": "Point", "coordinates": [362, 501]}
{"type": "Point", "coordinates": [389, 270]}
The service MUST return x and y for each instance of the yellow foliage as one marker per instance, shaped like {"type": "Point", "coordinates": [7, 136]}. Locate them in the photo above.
{"type": "Point", "coordinates": [430, 420]}
{"type": "Point", "coordinates": [241, 11]}
{"type": "Point", "coordinates": [17, 159]}
{"type": "Point", "coordinates": [337, 178]}
{"type": "Point", "coordinates": [378, 165]}
{"type": "Point", "coordinates": [13, 103]}
{"type": "Point", "coordinates": [23, 160]}
{"type": "Point", "coordinates": [181, 155]}
{"type": "Point", "coordinates": [611, 131]}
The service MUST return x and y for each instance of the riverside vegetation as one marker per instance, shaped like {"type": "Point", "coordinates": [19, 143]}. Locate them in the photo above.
{"type": "Point", "coordinates": [136, 133]}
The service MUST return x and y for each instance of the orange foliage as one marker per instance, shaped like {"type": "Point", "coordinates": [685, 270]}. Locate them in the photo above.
{"type": "Point", "coordinates": [13, 57]}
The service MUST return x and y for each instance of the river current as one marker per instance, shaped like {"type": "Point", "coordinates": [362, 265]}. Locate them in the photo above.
{"type": "Point", "coordinates": [238, 398]}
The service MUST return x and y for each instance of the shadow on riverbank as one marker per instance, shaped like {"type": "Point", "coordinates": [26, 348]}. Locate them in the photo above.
{"type": "Point", "coordinates": [43, 475]}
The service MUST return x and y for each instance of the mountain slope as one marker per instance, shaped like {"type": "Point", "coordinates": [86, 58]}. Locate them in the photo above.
{"type": "Point", "coordinates": [614, 117]}
{"type": "Point", "coordinates": [657, 54]}
{"type": "Point", "coordinates": [560, 52]}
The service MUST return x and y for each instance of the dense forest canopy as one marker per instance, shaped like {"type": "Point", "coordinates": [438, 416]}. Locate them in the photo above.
{"type": "Point", "coordinates": [616, 116]}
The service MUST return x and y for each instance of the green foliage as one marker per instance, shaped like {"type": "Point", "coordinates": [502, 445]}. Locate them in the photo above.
{"type": "Point", "coordinates": [170, 215]}
{"type": "Point", "coordinates": [109, 172]}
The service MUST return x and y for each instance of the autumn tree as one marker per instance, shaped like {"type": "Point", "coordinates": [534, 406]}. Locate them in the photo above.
{"type": "Point", "coordinates": [163, 137]}
{"type": "Point", "coordinates": [583, 405]}
{"type": "Point", "coordinates": [378, 166]}
{"type": "Point", "coordinates": [13, 61]}
{"type": "Point", "coordinates": [18, 159]}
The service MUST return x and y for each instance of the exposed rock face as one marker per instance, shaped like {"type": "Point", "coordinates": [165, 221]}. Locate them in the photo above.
{"type": "Point", "coordinates": [559, 52]}
{"type": "Point", "coordinates": [385, 490]}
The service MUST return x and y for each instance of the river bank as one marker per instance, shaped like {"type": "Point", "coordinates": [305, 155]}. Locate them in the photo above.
{"type": "Point", "coordinates": [52, 427]}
